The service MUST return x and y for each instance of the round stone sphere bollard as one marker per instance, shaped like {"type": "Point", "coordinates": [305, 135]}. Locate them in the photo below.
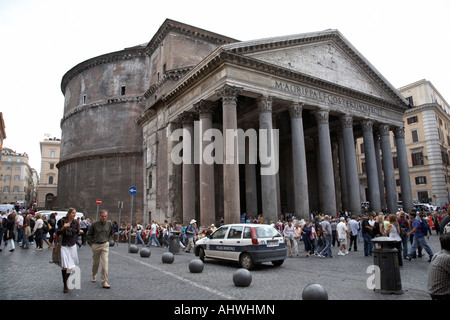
{"type": "Point", "coordinates": [314, 291]}
{"type": "Point", "coordinates": [196, 266]}
{"type": "Point", "coordinates": [242, 278]}
{"type": "Point", "coordinates": [145, 252]}
{"type": "Point", "coordinates": [133, 249]}
{"type": "Point", "coordinates": [168, 257]}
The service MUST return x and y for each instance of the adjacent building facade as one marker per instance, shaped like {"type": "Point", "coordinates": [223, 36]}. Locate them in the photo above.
{"type": "Point", "coordinates": [16, 178]}
{"type": "Point", "coordinates": [210, 127]}
{"type": "Point", "coordinates": [47, 189]}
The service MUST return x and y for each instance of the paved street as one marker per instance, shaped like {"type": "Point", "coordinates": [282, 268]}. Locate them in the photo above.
{"type": "Point", "coordinates": [28, 275]}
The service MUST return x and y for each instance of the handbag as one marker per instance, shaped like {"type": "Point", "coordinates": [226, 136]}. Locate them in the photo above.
{"type": "Point", "coordinates": [56, 252]}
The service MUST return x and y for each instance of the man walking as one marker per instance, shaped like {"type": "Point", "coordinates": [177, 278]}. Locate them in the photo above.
{"type": "Point", "coordinates": [191, 232]}
{"type": "Point", "coordinates": [98, 237]}
{"type": "Point", "coordinates": [419, 229]}
{"type": "Point", "coordinates": [327, 234]}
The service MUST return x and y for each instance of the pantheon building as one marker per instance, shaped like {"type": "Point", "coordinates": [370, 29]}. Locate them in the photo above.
{"type": "Point", "coordinates": [154, 116]}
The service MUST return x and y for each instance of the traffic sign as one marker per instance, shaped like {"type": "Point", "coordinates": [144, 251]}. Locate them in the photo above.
{"type": "Point", "coordinates": [132, 190]}
{"type": "Point", "coordinates": [99, 201]}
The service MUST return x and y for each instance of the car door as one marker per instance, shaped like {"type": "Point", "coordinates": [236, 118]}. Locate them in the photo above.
{"type": "Point", "coordinates": [214, 245]}
{"type": "Point", "coordinates": [232, 243]}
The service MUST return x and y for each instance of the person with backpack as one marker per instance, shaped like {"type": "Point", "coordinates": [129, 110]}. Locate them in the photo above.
{"type": "Point", "coordinates": [419, 229]}
{"type": "Point", "coordinates": [404, 229]}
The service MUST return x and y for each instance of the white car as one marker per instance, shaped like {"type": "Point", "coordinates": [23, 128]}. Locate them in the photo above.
{"type": "Point", "coordinates": [59, 214]}
{"type": "Point", "coordinates": [248, 244]}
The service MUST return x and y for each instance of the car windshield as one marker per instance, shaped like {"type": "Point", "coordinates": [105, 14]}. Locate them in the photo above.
{"type": "Point", "coordinates": [267, 232]}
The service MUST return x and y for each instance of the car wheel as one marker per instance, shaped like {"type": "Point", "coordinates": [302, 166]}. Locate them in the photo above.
{"type": "Point", "coordinates": [201, 254]}
{"type": "Point", "coordinates": [246, 261]}
{"type": "Point", "coordinates": [277, 263]}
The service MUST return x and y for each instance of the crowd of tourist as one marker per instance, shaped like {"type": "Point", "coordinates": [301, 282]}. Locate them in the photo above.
{"type": "Point", "coordinates": [316, 235]}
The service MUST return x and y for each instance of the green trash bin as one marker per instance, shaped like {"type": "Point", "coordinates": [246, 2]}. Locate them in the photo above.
{"type": "Point", "coordinates": [385, 256]}
{"type": "Point", "coordinates": [174, 242]}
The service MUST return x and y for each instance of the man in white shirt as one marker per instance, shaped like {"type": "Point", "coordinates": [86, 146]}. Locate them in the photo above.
{"type": "Point", "coordinates": [342, 231]}
{"type": "Point", "coordinates": [354, 228]}
{"type": "Point", "coordinates": [19, 223]}
{"type": "Point", "coordinates": [153, 235]}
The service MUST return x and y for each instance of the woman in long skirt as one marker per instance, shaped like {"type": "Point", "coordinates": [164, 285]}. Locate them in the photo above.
{"type": "Point", "coordinates": [69, 228]}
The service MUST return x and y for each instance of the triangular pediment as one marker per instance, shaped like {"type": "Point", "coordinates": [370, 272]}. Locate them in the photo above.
{"type": "Point", "coordinates": [323, 55]}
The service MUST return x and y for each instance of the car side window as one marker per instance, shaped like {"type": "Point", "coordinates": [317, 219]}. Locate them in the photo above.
{"type": "Point", "coordinates": [235, 232]}
{"type": "Point", "coordinates": [220, 233]}
{"type": "Point", "coordinates": [247, 233]}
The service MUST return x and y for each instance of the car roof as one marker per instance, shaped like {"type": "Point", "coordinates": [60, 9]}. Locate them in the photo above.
{"type": "Point", "coordinates": [247, 225]}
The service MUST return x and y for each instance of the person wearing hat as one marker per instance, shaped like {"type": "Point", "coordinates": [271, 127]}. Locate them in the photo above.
{"type": "Point", "coordinates": [191, 232]}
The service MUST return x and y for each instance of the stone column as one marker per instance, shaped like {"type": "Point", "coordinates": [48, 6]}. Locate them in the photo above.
{"type": "Point", "coordinates": [380, 170]}
{"type": "Point", "coordinates": [268, 180]}
{"type": "Point", "coordinates": [326, 183]}
{"type": "Point", "coordinates": [371, 166]}
{"type": "Point", "coordinates": [301, 200]}
{"type": "Point", "coordinates": [188, 175]}
{"type": "Point", "coordinates": [351, 168]}
{"type": "Point", "coordinates": [403, 168]}
{"type": "Point", "coordinates": [206, 172]}
{"type": "Point", "coordinates": [342, 174]}
{"type": "Point", "coordinates": [388, 168]}
{"type": "Point", "coordinates": [232, 209]}
{"type": "Point", "coordinates": [251, 189]}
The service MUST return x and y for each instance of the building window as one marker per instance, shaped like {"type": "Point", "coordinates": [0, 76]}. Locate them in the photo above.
{"type": "Point", "coordinates": [397, 182]}
{"type": "Point", "coordinates": [421, 180]}
{"type": "Point", "coordinates": [415, 135]}
{"type": "Point", "coordinates": [52, 166]}
{"type": "Point", "coordinates": [412, 120]}
{"type": "Point", "coordinates": [52, 154]}
{"type": "Point", "coordinates": [417, 158]}
{"type": "Point", "coordinates": [122, 90]}
{"type": "Point", "coordinates": [410, 100]}
{"type": "Point", "coordinates": [50, 180]}
{"type": "Point", "coordinates": [395, 161]}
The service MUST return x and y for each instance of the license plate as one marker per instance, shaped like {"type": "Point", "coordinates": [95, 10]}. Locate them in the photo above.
{"type": "Point", "coordinates": [272, 243]}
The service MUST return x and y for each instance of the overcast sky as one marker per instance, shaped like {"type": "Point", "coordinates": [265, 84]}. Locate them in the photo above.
{"type": "Point", "coordinates": [42, 39]}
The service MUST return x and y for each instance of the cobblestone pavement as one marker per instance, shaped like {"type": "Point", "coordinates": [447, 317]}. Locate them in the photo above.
{"type": "Point", "coordinates": [29, 275]}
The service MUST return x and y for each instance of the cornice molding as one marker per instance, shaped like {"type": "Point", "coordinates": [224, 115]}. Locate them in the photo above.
{"type": "Point", "coordinates": [223, 57]}
{"type": "Point", "coordinates": [102, 103]}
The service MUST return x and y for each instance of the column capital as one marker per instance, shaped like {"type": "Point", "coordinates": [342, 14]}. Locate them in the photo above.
{"type": "Point", "coordinates": [367, 125]}
{"type": "Point", "coordinates": [384, 129]}
{"type": "Point", "coordinates": [229, 94]}
{"type": "Point", "coordinates": [264, 103]}
{"type": "Point", "coordinates": [205, 108]}
{"type": "Point", "coordinates": [322, 116]}
{"type": "Point", "coordinates": [296, 110]}
{"type": "Point", "coordinates": [346, 121]}
{"type": "Point", "coordinates": [399, 132]}
{"type": "Point", "coordinates": [186, 117]}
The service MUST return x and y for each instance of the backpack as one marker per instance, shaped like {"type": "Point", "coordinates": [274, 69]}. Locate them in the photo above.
{"type": "Point", "coordinates": [447, 228]}
{"type": "Point", "coordinates": [45, 227]}
{"type": "Point", "coordinates": [423, 227]}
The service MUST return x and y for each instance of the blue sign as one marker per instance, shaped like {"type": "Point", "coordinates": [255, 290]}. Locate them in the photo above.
{"type": "Point", "coordinates": [132, 190]}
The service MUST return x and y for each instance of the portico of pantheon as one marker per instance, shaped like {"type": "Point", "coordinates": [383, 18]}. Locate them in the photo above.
{"type": "Point", "coordinates": [315, 90]}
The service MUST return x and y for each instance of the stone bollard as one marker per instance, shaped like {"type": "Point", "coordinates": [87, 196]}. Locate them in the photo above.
{"type": "Point", "coordinates": [145, 252]}
{"type": "Point", "coordinates": [133, 249]}
{"type": "Point", "coordinates": [167, 257]}
{"type": "Point", "coordinates": [196, 266]}
{"type": "Point", "coordinates": [242, 278]}
{"type": "Point", "coordinates": [314, 291]}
